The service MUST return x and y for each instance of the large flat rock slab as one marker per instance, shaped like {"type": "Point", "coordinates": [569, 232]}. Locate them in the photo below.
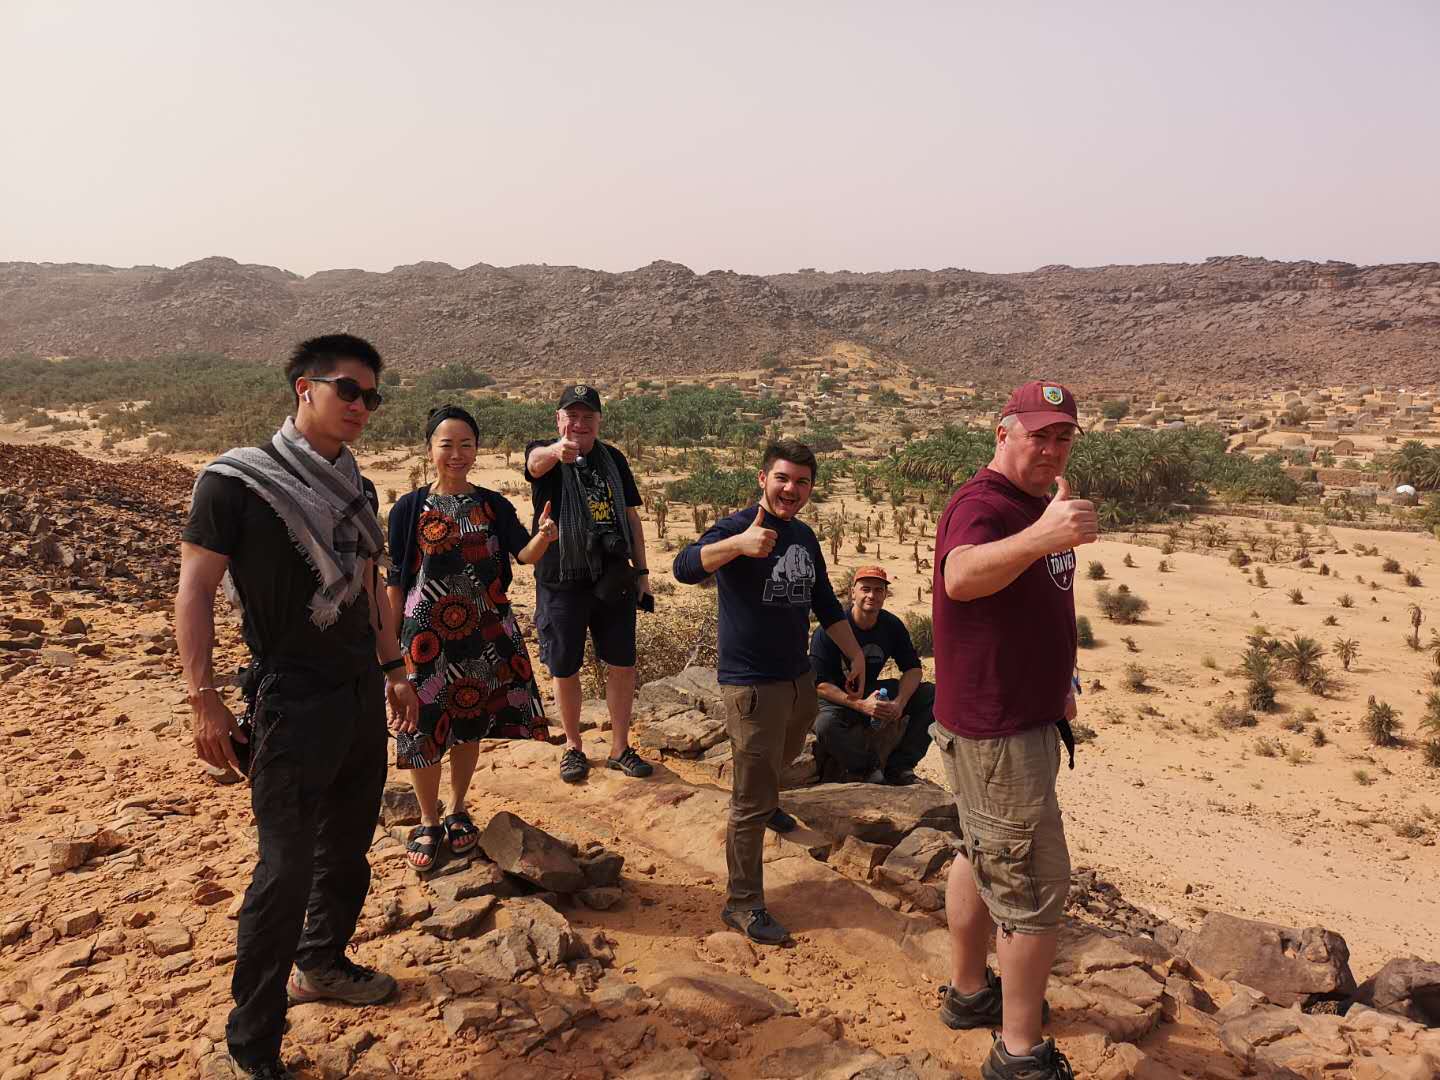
{"type": "Point", "coordinates": [872, 812]}
{"type": "Point", "coordinates": [715, 996]}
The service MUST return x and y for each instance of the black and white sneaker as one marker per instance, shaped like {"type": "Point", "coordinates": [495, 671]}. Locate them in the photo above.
{"type": "Point", "coordinates": [630, 763]}
{"type": "Point", "coordinates": [574, 766]}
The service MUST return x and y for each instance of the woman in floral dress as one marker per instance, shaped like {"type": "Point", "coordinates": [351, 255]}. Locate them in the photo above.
{"type": "Point", "coordinates": [451, 545]}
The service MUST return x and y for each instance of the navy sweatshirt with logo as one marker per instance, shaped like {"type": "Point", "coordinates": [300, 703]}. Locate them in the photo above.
{"type": "Point", "coordinates": [765, 604]}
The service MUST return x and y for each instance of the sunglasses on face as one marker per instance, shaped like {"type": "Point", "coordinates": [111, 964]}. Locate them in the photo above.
{"type": "Point", "coordinates": [350, 390]}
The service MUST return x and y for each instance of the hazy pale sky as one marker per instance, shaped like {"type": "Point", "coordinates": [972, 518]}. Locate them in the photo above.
{"type": "Point", "coordinates": [760, 137]}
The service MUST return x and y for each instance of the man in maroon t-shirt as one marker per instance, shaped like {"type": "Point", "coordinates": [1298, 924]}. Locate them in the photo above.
{"type": "Point", "coordinates": [1004, 658]}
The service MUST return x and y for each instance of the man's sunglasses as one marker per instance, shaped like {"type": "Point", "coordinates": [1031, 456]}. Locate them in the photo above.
{"type": "Point", "coordinates": [350, 390]}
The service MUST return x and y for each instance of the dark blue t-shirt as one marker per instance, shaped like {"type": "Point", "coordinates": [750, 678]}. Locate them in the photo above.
{"type": "Point", "coordinates": [886, 640]}
{"type": "Point", "coordinates": [765, 604]}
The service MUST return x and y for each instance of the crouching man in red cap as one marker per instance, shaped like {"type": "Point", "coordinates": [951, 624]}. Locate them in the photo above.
{"type": "Point", "coordinates": [881, 737]}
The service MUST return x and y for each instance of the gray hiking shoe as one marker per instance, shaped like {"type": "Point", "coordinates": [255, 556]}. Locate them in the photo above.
{"type": "Point", "coordinates": [963, 1012]}
{"type": "Point", "coordinates": [346, 981]}
{"type": "Point", "coordinates": [1044, 1062]}
{"type": "Point", "coordinates": [758, 925]}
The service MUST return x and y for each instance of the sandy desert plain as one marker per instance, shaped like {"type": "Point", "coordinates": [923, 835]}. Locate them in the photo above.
{"type": "Point", "coordinates": [115, 959]}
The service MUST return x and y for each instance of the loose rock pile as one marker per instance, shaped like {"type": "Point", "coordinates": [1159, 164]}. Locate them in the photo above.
{"type": "Point", "coordinates": [71, 522]}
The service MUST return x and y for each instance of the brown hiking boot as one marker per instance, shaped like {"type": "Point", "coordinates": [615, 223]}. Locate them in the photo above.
{"type": "Point", "coordinates": [1044, 1062]}
{"type": "Point", "coordinates": [978, 1010]}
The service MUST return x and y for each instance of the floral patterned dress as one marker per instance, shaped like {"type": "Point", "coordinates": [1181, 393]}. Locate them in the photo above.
{"type": "Point", "coordinates": [463, 649]}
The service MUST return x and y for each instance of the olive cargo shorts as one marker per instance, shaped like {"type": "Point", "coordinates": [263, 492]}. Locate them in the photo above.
{"type": "Point", "coordinates": [1010, 821]}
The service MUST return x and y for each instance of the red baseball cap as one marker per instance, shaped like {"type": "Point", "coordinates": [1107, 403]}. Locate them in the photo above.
{"type": "Point", "coordinates": [1039, 404]}
{"type": "Point", "coordinates": [876, 572]}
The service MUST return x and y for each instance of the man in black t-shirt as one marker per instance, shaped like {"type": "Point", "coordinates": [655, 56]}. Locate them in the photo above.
{"type": "Point", "coordinates": [884, 735]}
{"type": "Point", "coordinates": [592, 578]}
{"type": "Point", "coordinates": [291, 528]}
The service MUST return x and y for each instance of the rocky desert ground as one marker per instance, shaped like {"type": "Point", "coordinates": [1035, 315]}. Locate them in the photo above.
{"type": "Point", "coordinates": [1255, 891]}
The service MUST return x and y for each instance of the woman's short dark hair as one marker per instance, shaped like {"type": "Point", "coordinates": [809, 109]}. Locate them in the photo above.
{"type": "Point", "coordinates": [321, 355]}
{"type": "Point", "coordinates": [790, 450]}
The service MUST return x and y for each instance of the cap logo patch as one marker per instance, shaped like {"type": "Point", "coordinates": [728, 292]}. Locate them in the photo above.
{"type": "Point", "coordinates": [1054, 395]}
{"type": "Point", "coordinates": [581, 390]}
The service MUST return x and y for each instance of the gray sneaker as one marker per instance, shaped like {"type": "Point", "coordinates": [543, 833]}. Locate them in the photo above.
{"type": "Point", "coordinates": [1044, 1062]}
{"type": "Point", "coordinates": [346, 981]}
{"type": "Point", "coordinates": [758, 925]}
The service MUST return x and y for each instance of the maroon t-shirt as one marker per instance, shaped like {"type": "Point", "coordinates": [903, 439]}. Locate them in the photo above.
{"type": "Point", "coordinates": [1003, 662]}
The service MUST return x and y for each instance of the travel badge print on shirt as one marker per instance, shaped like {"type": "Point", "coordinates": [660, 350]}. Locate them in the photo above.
{"type": "Point", "coordinates": [1062, 569]}
{"type": "Point", "coordinates": [792, 578]}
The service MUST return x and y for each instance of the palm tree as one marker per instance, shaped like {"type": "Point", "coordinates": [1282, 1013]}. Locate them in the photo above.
{"type": "Point", "coordinates": [1346, 649]}
{"type": "Point", "coordinates": [1303, 655]}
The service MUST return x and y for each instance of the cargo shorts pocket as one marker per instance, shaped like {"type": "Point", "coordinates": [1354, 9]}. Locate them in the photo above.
{"type": "Point", "coordinates": [1001, 857]}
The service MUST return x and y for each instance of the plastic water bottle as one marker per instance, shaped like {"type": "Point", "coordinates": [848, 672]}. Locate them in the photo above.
{"type": "Point", "coordinates": [874, 721]}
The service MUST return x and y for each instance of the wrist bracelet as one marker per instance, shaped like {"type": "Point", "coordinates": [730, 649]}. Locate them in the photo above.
{"type": "Point", "coordinates": [391, 665]}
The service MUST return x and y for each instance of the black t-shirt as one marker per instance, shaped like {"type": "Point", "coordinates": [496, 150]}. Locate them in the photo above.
{"type": "Point", "coordinates": [887, 639]}
{"type": "Point", "coordinates": [551, 488]}
{"type": "Point", "coordinates": [275, 584]}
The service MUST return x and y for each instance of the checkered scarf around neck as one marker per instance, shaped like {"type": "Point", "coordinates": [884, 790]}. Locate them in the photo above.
{"type": "Point", "coordinates": [324, 508]}
{"type": "Point", "coordinates": [578, 560]}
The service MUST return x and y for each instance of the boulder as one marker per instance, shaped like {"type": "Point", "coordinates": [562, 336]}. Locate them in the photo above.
{"type": "Point", "coordinates": [1408, 987]}
{"type": "Point", "coordinates": [600, 897]}
{"type": "Point", "coordinates": [502, 954]}
{"type": "Point", "coordinates": [694, 688]}
{"type": "Point", "coordinates": [919, 856]}
{"type": "Point", "coordinates": [713, 996]}
{"type": "Point", "coordinates": [857, 858]}
{"type": "Point", "coordinates": [167, 939]}
{"type": "Point", "coordinates": [1288, 965]}
{"type": "Point", "coordinates": [602, 868]}
{"type": "Point", "coordinates": [686, 732]}
{"type": "Point", "coordinates": [1272, 1039]}
{"type": "Point", "coordinates": [551, 937]}
{"type": "Point", "coordinates": [399, 806]}
{"type": "Point", "coordinates": [872, 812]}
{"type": "Point", "coordinates": [674, 1064]}
{"type": "Point", "coordinates": [478, 878]}
{"type": "Point", "coordinates": [451, 922]}
{"type": "Point", "coordinates": [519, 848]}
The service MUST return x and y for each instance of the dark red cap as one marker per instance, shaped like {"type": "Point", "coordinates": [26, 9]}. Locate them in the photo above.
{"type": "Point", "coordinates": [1039, 404]}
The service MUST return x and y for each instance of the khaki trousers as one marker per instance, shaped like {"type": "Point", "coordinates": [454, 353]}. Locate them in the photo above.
{"type": "Point", "coordinates": [767, 724]}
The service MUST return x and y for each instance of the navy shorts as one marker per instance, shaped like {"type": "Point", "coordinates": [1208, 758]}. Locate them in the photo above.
{"type": "Point", "coordinates": [562, 618]}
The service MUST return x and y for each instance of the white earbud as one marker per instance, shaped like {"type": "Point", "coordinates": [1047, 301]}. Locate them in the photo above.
{"type": "Point", "coordinates": [306, 396]}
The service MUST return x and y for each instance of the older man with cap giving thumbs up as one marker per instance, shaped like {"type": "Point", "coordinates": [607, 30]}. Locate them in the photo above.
{"type": "Point", "coordinates": [1004, 660]}
{"type": "Point", "coordinates": [771, 575]}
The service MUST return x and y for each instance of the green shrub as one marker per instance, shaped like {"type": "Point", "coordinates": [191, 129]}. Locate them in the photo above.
{"type": "Point", "coordinates": [1095, 571]}
{"type": "Point", "coordinates": [1381, 723]}
{"type": "Point", "coordinates": [1120, 606]}
{"type": "Point", "coordinates": [1084, 633]}
{"type": "Point", "coordinates": [1133, 678]}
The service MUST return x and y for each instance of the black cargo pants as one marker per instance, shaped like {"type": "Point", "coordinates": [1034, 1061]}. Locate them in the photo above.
{"type": "Point", "coordinates": [318, 772]}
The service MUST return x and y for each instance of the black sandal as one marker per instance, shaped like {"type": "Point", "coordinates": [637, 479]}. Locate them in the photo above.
{"type": "Point", "coordinates": [416, 846]}
{"type": "Point", "coordinates": [461, 832]}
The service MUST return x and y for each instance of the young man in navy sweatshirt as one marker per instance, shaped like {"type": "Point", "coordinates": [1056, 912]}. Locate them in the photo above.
{"type": "Point", "coordinates": [771, 575]}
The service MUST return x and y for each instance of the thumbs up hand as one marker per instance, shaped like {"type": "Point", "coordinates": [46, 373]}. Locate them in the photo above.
{"type": "Point", "coordinates": [1067, 522]}
{"type": "Point", "coordinates": [757, 541]}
